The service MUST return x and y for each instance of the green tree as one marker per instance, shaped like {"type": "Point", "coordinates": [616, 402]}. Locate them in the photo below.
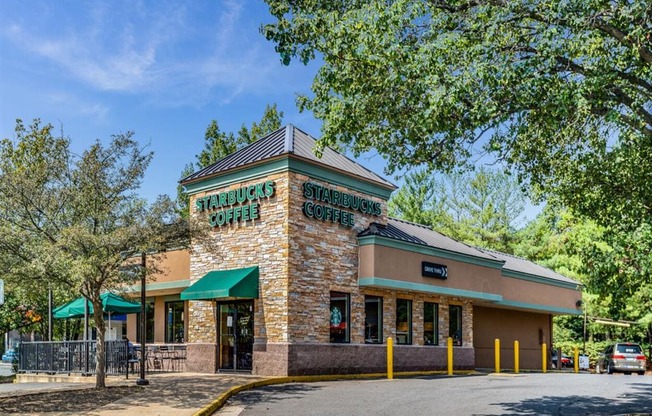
{"type": "Point", "coordinates": [74, 220]}
{"type": "Point", "coordinates": [219, 144]}
{"type": "Point", "coordinates": [420, 199]}
{"type": "Point", "coordinates": [562, 91]}
{"type": "Point", "coordinates": [476, 208]}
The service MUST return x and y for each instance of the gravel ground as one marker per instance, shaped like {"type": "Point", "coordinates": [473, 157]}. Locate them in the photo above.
{"type": "Point", "coordinates": [75, 400]}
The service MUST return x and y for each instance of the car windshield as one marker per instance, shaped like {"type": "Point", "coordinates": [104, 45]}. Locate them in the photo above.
{"type": "Point", "coordinates": [629, 349]}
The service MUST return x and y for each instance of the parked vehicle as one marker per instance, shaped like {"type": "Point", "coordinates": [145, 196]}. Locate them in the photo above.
{"type": "Point", "coordinates": [566, 361]}
{"type": "Point", "coordinates": [624, 357]}
{"type": "Point", "coordinates": [9, 356]}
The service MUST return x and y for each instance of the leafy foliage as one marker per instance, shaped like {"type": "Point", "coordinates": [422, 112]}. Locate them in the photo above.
{"type": "Point", "coordinates": [74, 220]}
{"type": "Point", "coordinates": [562, 91]}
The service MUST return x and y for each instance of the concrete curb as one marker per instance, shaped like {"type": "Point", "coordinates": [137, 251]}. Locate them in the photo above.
{"type": "Point", "coordinates": [222, 398]}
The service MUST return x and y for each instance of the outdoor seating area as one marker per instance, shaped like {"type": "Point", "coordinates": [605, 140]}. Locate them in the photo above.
{"type": "Point", "coordinates": [159, 358]}
{"type": "Point", "coordinates": [79, 357]}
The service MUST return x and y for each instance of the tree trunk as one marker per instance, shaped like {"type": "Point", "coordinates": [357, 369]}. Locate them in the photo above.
{"type": "Point", "coordinates": [100, 352]}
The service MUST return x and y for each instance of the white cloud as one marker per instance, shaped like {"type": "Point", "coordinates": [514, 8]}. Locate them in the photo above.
{"type": "Point", "coordinates": [174, 54]}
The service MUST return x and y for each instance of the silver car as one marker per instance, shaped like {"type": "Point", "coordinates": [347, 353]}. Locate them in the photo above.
{"type": "Point", "coordinates": [624, 357]}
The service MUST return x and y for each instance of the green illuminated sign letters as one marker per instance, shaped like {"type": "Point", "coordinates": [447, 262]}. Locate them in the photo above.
{"type": "Point", "coordinates": [326, 204]}
{"type": "Point", "coordinates": [235, 205]}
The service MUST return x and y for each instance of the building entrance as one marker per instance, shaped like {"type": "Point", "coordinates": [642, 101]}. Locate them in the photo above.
{"type": "Point", "coordinates": [236, 335]}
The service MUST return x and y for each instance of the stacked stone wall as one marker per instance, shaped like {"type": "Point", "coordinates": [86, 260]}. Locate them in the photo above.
{"type": "Point", "coordinates": [262, 242]}
{"type": "Point", "coordinates": [323, 258]}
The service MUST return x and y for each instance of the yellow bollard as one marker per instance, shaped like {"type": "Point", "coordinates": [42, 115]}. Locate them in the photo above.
{"type": "Point", "coordinates": [516, 357]}
{"type": "Point", "coordinates": [544, 357]}
{"type": "Point", "coordinates": [390, 358]}
{"type": "Point", "coordinates": [497, 354]}
{"type": "Point", "coordinates": [577, 360]}
{"type": "Point", "coordinates": [450, 356]}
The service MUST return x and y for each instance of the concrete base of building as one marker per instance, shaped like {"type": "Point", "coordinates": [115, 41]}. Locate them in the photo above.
{"type": "Point", "coordinates": [282, 359]}
{"type": "Point", "coordinates": [201, 358]}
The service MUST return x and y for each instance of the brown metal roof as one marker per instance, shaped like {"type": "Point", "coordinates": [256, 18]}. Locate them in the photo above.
{"type": "Point", "coordinates": [518, 264]}
{"type": "Point", "coordinates": [287, 140]}
{"type": "Point", "coordinates": [420, 234]}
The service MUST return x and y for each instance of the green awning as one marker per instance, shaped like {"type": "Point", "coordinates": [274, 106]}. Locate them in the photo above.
{"type": "Point", "coordinates": [111, 303]}
{"type": "Point", "coordinates": [234, 283]}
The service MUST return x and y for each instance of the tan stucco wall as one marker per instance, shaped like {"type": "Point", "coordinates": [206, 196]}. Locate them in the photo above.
{"type": "Point", "coordinates": [396, 264]}
{"type": "Point", "coordinates": [172, 265]}
{"type": "Point", "coordinates": [540, 294]}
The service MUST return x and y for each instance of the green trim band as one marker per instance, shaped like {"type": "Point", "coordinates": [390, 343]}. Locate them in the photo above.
{"type": "Point", "coordinates": [420, 287]}
{"type": "Point", "coordinates": [538, 279]}
{"type": "Point", "coordinates": [543, 308]}
{"type": "Point", "coordinates": [175, 284]}
{"type": "Point", "coordinates": [292, 165]}
{"type": "Point", "coordinates": [429, 250]}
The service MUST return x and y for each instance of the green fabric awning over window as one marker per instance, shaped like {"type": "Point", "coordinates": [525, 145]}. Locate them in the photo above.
{"type": "Point", "coordinates": [234, 283]}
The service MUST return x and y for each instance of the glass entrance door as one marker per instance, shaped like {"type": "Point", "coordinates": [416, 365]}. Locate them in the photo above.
{"type": "Point", "coordinates": [236, 335]}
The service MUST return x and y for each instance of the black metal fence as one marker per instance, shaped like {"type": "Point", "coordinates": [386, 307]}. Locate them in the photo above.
{"type": "Point", "coordinates": [72, 357]}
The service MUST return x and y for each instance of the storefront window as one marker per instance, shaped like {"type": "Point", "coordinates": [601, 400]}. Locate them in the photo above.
{"type": "Point", "coordinates": [403, 321]}
{"type": "Point", "coordinates": [455, 324]}
{"type": "Point", "coordinates": [339, 317]}
{"type": "Point", "coordinates": [149, 321]}
{"type": "Point", "coordinates": [174, 328]}
{"type": "Point", "coordinates": [373, 320]}
{"type": "Point", "coordinates": [430, 319]}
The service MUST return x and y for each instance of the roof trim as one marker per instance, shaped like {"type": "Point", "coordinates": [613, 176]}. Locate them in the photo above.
{"type": "Point", "coordinates": [289, 143]}
{"type": "Point", "coordinates": [291, 163]}
{"type": "Point", "coordinates": [174, 284]}
{"type": "Point", "coordinates": [543, 308]}
{"type": "Point", "coordinates": [420, 287]}
{"type": "Point", "coordinates": [429, 250]}
{"type": "Point", "coordinates": [539, 279]}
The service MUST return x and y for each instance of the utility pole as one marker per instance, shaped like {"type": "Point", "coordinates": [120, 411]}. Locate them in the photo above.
{"type": "Point", "coordinates": [143, 322]}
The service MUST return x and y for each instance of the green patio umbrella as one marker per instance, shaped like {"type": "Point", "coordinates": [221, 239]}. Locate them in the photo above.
{"type": "Point", "coordinates": [111, 303]}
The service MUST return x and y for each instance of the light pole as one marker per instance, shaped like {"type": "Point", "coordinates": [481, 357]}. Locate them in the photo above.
{"type": "Point", "coordinates": [143, 323]}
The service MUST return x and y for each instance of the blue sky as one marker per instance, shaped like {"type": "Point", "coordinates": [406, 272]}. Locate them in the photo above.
{"type": "Point", "coordinates": [163, 69]}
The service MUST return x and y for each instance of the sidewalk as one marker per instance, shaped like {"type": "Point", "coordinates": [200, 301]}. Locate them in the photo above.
{"type": "Point", "coordinates": [172, 394]}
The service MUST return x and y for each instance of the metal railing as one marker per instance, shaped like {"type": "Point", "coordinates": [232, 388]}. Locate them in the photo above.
{"type": "Point", "coordinates": [71, 357]}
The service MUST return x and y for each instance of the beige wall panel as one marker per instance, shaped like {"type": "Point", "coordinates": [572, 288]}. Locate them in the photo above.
{"type": "Point", "coordinates": [171, 265]}
{"type": "Point", "coordinates": [395, 264]}
{"type": "Point", "coordinates": [540, 294]}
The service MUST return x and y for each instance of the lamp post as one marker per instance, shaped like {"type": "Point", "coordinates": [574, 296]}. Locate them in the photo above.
{"type": "Point", "coordinates": [143, 324]}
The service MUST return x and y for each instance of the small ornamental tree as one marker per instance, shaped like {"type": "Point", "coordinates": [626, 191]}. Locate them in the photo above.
{"type": "Point", "coordinates": [73, 220]}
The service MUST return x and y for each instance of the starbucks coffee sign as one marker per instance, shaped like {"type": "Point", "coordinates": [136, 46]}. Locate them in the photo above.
{"type": "Point", "coordinates": [235, 205]}
{"type": "Point", "coordinates": [328, 204]}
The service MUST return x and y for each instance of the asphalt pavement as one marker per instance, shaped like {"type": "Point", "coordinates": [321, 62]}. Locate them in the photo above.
{"type": "Point", "coordinates": [168, 394]}
{"type": "Point", "coordinates": [558, 394]}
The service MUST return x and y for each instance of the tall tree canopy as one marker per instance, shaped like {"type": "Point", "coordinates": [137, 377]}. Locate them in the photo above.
{"type": "Point", "coordinates": [561, 90]}
{"type": "Point", "coordinates": [478, 208]}
{"type": "Point", "coordinates": [219, 144]}
{"type": "Point", "coordinates": [73, 220]}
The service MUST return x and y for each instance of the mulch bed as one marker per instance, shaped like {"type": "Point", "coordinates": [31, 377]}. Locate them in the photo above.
{"type": "Point", "coordinates": [75, 400]}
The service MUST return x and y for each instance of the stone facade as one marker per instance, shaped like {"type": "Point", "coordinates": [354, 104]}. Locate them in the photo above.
{"type": "Point", "coordinates": [301, 261]}
{"type": "Point", "coordinates": [262, 242]}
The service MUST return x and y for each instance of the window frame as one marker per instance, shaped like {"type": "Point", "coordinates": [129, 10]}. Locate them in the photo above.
{"type": "Point", "coordinates": [343, 326]}
{"type": "Point", "coordinates": [370, 299]}
{"type": "Point", "coordinates": [408, 333]}
{"type": "Point", "coordinates": [451, 331]}
{"type": "Point", "coordinates": [435, 323]}
{"type": "Point", "coordinates": [167, 321]}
